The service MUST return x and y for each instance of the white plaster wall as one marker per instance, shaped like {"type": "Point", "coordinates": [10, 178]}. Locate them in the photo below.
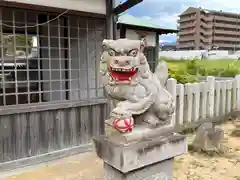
{"type": "Point", "coordinates": [197, 54]}
{"type": "Point", "coordinates": [93, 6]}
{"type": "Point", "coordinates": [151, 37]}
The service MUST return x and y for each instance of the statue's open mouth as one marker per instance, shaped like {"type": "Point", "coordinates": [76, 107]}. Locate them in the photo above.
{"type": "Point", "coordinates": [121, 74]}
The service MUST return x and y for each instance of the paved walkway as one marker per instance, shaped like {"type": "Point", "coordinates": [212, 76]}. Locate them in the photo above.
{"type": "Point", "coordinates": [84, 166]}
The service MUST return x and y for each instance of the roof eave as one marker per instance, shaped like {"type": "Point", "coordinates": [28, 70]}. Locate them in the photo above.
{"type": "Point", "coordinates": [144, 28]}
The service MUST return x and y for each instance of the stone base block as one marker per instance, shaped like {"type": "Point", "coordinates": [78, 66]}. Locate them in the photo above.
{"type": "Point", "coordinates": [144, 159]}
{"type": "Point", "coordinates": [157, 171]}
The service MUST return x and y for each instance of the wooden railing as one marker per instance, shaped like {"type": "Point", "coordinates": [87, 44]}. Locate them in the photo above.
{"type": "Point", "coordinates": [212, 98]}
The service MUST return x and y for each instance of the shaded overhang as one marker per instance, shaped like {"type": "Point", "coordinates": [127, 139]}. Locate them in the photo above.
{"type": "Point", "coordinates": [149, 29]}
{"type": "Point", "coordinates": [125, 6]}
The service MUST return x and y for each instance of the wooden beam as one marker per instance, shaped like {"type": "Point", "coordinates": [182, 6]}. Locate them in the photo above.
{"type": "Point", "coordinates": [157, 49]}
{"type": "Point", "coordinates": [122, 30]}
{"type": "Point", "coordinates": [109, 19]}
{"type": "Point", "coordinates": [125, 6]}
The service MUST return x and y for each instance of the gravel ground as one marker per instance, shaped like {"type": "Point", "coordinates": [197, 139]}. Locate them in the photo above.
{"type": "Point", "coordinates": [191, 166]}
{"type": "Point", "coordinates": [194, 166]}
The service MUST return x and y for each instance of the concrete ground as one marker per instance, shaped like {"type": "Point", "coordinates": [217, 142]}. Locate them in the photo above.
{"type": "Point", "coordinates": [84, 166]}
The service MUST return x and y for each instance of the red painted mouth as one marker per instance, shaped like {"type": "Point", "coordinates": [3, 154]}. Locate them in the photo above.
{"type": "Point", "coordinates": [120, 74]}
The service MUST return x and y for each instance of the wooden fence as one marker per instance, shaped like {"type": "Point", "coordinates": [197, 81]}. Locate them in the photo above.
{"type": "Point", "coordinates": [212, 98]}
{"type": "Point", "coordinates": [48, 131]}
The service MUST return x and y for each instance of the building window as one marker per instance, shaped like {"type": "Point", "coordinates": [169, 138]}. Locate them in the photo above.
{"type": "Point", "coordinates": [51, 62]}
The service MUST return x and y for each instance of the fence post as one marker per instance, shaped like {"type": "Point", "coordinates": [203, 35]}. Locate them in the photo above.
{"type": "Point", "coordinates": [211, 90]}
{"type": "Point", "coordinates": [234, 96]}
{"type": "Point", "coordinates": [218, 93]}
{"type": "Point", "coordinates": [196, 101]}
{"type": "Point", "coordinates": [229, 95]}
{"type": "Point", "coordinates": [180, 108]}
{"type": "Point", "coordinates": [203, 103]}
{"type": "Point", "coordinates": [189, 104]}
{"type": "Point", "coordinates": [238, 92]}
{"type": "Point", "coordinates": [172, 88]}
{"type": "Point", "coordinates": [223, 98]}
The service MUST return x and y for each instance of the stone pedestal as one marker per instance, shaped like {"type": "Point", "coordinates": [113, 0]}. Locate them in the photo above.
{"type": "Point", "coordinates": [150, 159]}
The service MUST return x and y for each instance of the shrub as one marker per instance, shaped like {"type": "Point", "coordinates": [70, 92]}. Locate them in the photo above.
{"type": "Point", "coordinates": [214, 72]}
{"type": "Point", "coordinates": [181, 76]}
{"type": "Point", "coordinates": [207, 67]}
{"type": "Point", "coordinates": [230, 71]}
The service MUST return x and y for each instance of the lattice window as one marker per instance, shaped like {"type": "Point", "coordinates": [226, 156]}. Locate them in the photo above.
{"type": "Point", "coordinates": [150, 53]}
{"type": "Point", "coordinates": [55, 61]}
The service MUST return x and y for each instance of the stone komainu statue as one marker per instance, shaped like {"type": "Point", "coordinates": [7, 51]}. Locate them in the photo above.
{"type": "Point", "coordinates": [138, 94]}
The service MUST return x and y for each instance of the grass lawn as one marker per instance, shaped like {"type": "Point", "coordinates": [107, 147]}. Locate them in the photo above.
{"type": "Point", "coordinates": [209, 64]}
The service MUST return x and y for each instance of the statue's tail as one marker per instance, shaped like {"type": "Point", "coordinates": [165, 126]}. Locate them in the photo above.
{"type": "Point", "coordinates": [161, 72]}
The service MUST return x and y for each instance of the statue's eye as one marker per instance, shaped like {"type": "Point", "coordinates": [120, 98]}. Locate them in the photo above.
{"type": "Point", "coordinates": [133, 52]}
{"type": "Point", "coordinates": [111, 52]}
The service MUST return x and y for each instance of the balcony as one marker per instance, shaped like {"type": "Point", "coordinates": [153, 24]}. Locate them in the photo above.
{"type": "Point", "coordinates": [227, 32]}
{"type": "Point", "coordinates": [206, 26]}
{"type": "Point", "coordinates": [227, 19]}
{"type": "Point", "coordinates": [204, 46]}
{"type": "Point", "coordinates": [206, 32]}
{"type": "Point", "coordinates": [223, 38]}
{"type": "Point", "coordinates": [224, 45]}
{"type": "Point", "coordinates": [187, 25]}
{"type": "Point", "coordinates": [206, 40]}
{"type": "Point", "coordinates": [186, 19]}
{"type": "Point", "coordinates": [207, 18]}
{"type": "Point", "coordinates": [186, 32]}
{"type": "Point", "coordinates": [222, 25]}
{"type": "Point", "coordinates": [187, 38]}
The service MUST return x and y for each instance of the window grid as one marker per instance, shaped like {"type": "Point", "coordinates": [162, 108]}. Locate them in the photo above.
{"type": "Point", "coordinates": [54, 62]}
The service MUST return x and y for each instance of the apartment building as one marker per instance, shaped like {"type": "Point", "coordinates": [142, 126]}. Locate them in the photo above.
{"type": "Point", "coordinates": [208, 29]}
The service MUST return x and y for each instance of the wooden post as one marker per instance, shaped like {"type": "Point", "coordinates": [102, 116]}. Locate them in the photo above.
{"type": "Point", "coordinates": [122, 30]}
{"type": "Point", "coordinates": [189, 102]}
{"type": "Point", "coordinates": [223, 95]}
{"type": "Point", "coordinates": [229, 95]}
{"type": "Point", "coordinates": [238, 91]}
{"type": "Point", "coordinates": [157, 50]}
{"type": "Point", "coordinates": [171, 87]}
{"type": "Point", "coordinates": [217, 102]}
{"type": "Point", "coordinates": [203, 106]}
{"type": "Point", "coordinates": [110, 19]}
{"type": "Point", "coordinates": [196, 101]}
{"type": "Point", "coordinates": [211, 91]}
{"type": "Point", "coordinates": [180, 105]}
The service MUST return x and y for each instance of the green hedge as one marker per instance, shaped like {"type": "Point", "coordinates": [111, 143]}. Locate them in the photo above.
{"type": "Point", "coordinates": [189, 71]}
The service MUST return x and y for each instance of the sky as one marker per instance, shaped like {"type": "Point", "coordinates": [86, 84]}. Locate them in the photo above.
{"type": "Point", "coordinates": [165, 12]}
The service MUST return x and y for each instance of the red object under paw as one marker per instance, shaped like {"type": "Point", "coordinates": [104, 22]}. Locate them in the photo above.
{"type": "Point", "coordinates": [123, 125]}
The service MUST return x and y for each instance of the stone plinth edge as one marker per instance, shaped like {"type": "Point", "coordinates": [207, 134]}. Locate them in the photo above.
{"type": "Point", "coordinates": [130, 157]}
